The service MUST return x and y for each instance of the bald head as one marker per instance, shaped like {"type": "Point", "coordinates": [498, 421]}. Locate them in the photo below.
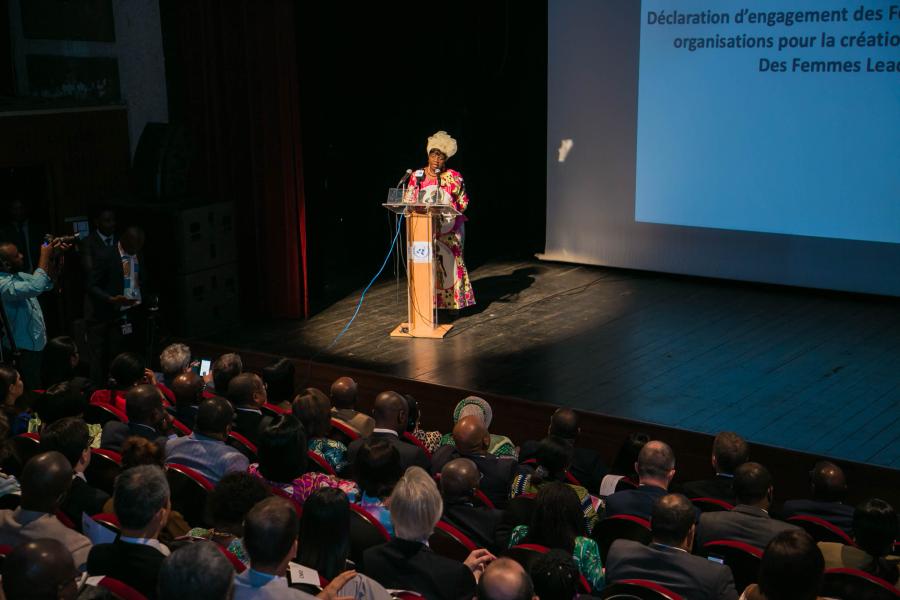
{"type": "Point", "coordinates": [505, 579]}
{"type": "Point", "coordinates": [828, 482]}
{"type": "Point", "coordinates": [564, 424]}
{"type": "Point", "coordinates": [45, 478]}
{"type": "Point", "coordinates": [40, 569]}
{"type": "Point", "coordinates": [390, 411]}
{"type": "Point", "coordinates": [143, 405]}
{"type": "Point", "coordinates": [471, 436]}
{"type": "Point", "coordinates": [187, 388]}
{"type": "Point", "coordinates": [459, 479]}
{"type": "Point", "coordinates": [672, 521]}
{"type": "Point", "coordinates": [656, 464]}
{"type": "Point", "coordinates": [343, 393]}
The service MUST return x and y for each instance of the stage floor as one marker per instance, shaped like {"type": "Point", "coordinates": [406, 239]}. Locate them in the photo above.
{"type": "Point", "coordinates": [807, 370]}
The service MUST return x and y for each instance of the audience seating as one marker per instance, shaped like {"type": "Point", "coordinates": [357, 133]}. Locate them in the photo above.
{"type": "Point", "coordinates": [637, 589]}
{"type": "Point", "coordinates": [245, 446]}
{"type": "Point", "coordinates": [120, 589]}
{"type": "Point", "coordinates": [626, 483]}
{"type": "Point", "coordinates": [342, 432]}
{"type": "Point", "coordinates": [26, 445]}
{"type": "Point", "coordinates": [5, 549]}
{"type": "Point", "coordinates": [626, 527]}
{"type": "Point", "coordinates": [449, 541]}
{"type": "Point", "coordinates": [272, 410]}
{"type": "Point", "coordinates": [821, 530]}
{"type": "Point", "coordinates": [189, 490]}
{"type": "Point", "coordinates": [365, 532]}
{"type": "Point", "coordinates": [65, 520]}
{"type": "Point", "coordinates": [711, 504]}
{"type": "Point", "coordinates": [852, 584]}
{"type": "Point", "coordinates": [180, 427]}
{"type": "Point", "coordinates": [317, 464]}
{"type": "Point", "coordinates": [102, 413]}
{"type": "Point", "coordinates": [239, 567]}
{"type": "Point", "coordinates": [480, 498]}
{"type": "Point", "coordinates": [416, 442]}
{"type": "Point", "coordinates": [277, 491]}
{"type": "Point", "coordinates": [526, 554]}
{"type": "Point", "coordinates": [743, 559]}
{"type": "Point", "coordinates": [103, 469]}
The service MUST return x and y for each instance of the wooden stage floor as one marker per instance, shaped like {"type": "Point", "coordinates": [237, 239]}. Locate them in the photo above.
{"type": "Point", "coordinates": [801, 369]}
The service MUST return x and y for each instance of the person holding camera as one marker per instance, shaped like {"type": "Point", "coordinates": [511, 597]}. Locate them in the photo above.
{"type": "Point", "coordinates": [26, 334]}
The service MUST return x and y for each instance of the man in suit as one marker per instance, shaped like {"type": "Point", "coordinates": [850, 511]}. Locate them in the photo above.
{"type": "Point", "coordinates": [391, 419]}
{"type": "Point", "coordinates": [40, 569]}
{"type": "Point", "coordinates": [472, 441]}
{"type": "Point", "coordinates": [205, 449]}
{"type": "Point", "coordinates": [141, 500]}
{"type": "Point", "coordinates": [102, 239]}
{"type": "Point", "coordinates": [587, 466]}
{"type": "Point", "coordinates": [655, 467]}
{"type": "Point", "coordinates": [146, 419]}
{"type": "Point", "coordinates": [459, 481]}
{"type": "Point", "coordinates": [749, 521]}
{"type": "Point", "coordinates": [343, 402]}
{"type": "Point", "coordinates": [729, 452]}
{"type": "Point", "coordinates": [505, 579]}
{"type": "Point", "coordinates": [45, 480]}
{"type": "Point", "coordinates": [71, 438]}
{"type": "Point", "coordinates": [116, 288]}
{"type": "Point", "coordinates": [829, 488]}
{"type": "Point", "coordinates": [668, 560]}
{"type": "Point", "coordinates": [247, 393]}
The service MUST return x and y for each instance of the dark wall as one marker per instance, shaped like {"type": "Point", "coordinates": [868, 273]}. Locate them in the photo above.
{"type": "Point", "coordinates": [376, 79]}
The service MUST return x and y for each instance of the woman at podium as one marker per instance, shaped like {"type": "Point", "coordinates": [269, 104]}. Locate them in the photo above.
{"type": "Point", "coordinates": [453, 289]}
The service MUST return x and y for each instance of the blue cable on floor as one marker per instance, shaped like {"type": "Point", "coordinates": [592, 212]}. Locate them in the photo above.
{"type": "Point", "coordinates": [363, 295]}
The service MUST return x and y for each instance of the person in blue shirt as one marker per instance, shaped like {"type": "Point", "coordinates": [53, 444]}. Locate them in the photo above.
{"type": "Point", "coordinates": [19, 291]}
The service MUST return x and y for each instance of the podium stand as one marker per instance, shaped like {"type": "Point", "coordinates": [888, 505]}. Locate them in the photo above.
{"type": "Point", "coordinates": [422, 214]}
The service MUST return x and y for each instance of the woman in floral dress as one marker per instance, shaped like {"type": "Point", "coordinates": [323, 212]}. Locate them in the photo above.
{"type": "Point", "coordinates": [452, 287]}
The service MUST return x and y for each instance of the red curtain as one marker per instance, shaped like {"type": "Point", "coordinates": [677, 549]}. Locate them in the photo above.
{"type": "Point", "coordinates": [235, 77]}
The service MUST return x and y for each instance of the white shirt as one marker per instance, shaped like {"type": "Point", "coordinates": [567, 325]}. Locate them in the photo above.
{"type": "Point", "coordinates": [153, 543]}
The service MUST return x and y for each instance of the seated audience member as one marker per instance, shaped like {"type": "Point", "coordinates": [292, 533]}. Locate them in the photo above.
{"type": "Point", "coordinates": [586, 466]}
{"type": "Point", "coordinates": [187, 389]}
{"type": "Point", "coordinates": [247, 394]}
{"type": "Point", "coordinates": [505, 579]}
{"type": "Point", "coordinates": [406, 562]}
{"type": "Point", "coordinates": [875, 528]}
{"type": "Point", "coordinates": [554, 574]}
{"type": "Point", "coordinates": [15, 411]}
{"type": "Point", "coordinates": [227, 505]}
{"type": "Point", "coordinates": [459, 481]}
{"type": "Point", "coordinates": [829, 488]}
{"type": "Point", "coordinates": [471, 440]}
{"type": "Point", "coordinates": [668, 560]}
{"type": "Point", "coordinates": [343, 402]}
{"type": "Point", "coordinates": [138, 451]}
{"type": "Point", "coordinates": [40, 570]}
{"type": "Point", "coordinates": [45, 480]}
{"type": "Point", "coordinates": [71, 438]}
{"type": "Point", "coordinates": [279, 380]}
{"type": "Point", "coordinates": [283, 462]}
{"type": "Point", "coordinates": [377, 469]}
{"type": "Point", "coordinates": [174, 360]}
{"type": "Point", "coordinates": [125, 372]}
{"type": "Point", "coordinates": [205, 449]}
{"type": "Point", "coordinates": [196, 571]}
{"type": "Point", "coordinates": [60, 363]}
{"type": "Point", "coordinates": [141, 500]}
{"type": "Point", "coordinates": [655, 468]}
{"type": "Point", "coordinates": [478, 407]}
{"type": "Point", "coordinates": [623, 466]}
{"type": "Point", "coordinates": [325, 533]}
{"type": "Point", "coordinates": [314, 410]}
{"type": "Point", "coordinates": [792, 568]}
{"type": "Point", "coordinates": [223, 370]}
{"type": "Point", "coordinates": [61, 400]}
{"type": "Point", "coordinates": [553, 458]}
{"type": "Point", "coordinates": [146, 419]}
{"type": "Point", "coordinates": [391, 420]}
{"type": "Point", "coordinates": [558, 522]}
{"type": "Point", "coordinates": [270, 536]}
{"type": "Point", "coordinates": [749, 521]}
{"type": "Point", "coordinates": [728, 453]}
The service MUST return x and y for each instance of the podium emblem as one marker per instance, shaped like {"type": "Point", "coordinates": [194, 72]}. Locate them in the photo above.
{"type": "Point", "coordinates": [420, 252]}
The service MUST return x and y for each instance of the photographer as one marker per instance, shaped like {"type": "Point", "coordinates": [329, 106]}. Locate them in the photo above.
{"type": "Point", "coordinates": [19, 291]}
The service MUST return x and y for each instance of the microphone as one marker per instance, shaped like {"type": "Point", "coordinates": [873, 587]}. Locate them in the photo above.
{"type": "Point", "coordinates": [404, 178]}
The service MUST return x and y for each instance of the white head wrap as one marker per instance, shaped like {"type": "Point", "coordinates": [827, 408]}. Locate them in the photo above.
{"type": "Point", "coordinates": [443, 142]}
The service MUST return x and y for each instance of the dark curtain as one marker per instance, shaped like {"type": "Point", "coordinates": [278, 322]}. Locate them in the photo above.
{"type": "Point", "coordinates": [232, 76]}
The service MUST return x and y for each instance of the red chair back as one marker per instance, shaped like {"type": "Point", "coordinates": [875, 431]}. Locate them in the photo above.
{"type": "Point", "coordinates": [246, 447]}
{"type": "Point", "coordinates": [711, 504]}
{"type": "Point", "coordinates": [481, 498]}
{"type": "Point", "coordinates": [342, 432]}
{"type": "Point", "coordinates": [365, 532]}
{"type": "Point", "coordinates": [638, 589]}
{"type": "Point", "coordinates": [626, 483]}
{"type": "Point", "coordinates": [527, 554]}
{"type": "Point", "coordinates": [273, 410]}
{"type": "Point", "coordinates": [120, 589]}
{"type": "Point", "coordinates": [318, 464]}
{"type": "Point", "coordinates": [821, 530]}
{"type": "Point", "coordinates": [101, 413]}
{"type": "Point", "coordinates": [189, 490]}
{"type": "Point", "coordinates": [416, 442]}
{"type": "Point", "coordinates": [65, 520]}
{"type": "Point", "coordinates": [239, 567]}
{"type": "Point", "coordinates": [742, 558]}
{"type": "Point", "coordinates": [103, 469]}
{"type": "Point", "coordinates": [298, 508]}
{"type": "Point", "coordinates": [27, 445]}
{"type": "Point", "coordinates": [180, 427]}
{"type": "Point", "coordinates": [449, 541]}
{"type": "Point", "coordinates": [108, 520]}
{"type": "Point", "coordinates": [168, 394]}
{"type": "Point", "coordinates": [852, 584]}
{"type": "Point", "coordinates": [114, 398]}
{"type": "Point", "coordinates": [620, 527]}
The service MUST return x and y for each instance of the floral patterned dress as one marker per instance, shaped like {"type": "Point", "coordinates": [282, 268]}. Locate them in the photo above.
{"type": "Point", "coordinates": [586, 555]}
{"type": "Point", "coordinates": [303, 487]}
{"type": "Point", "coordinates": [452, 287]}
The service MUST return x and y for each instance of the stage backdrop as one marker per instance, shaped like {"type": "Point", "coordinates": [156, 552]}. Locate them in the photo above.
{"type": "Point", "coordinates": [755, 142]}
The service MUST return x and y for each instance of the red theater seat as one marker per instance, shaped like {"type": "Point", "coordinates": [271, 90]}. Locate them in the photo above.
{"type": "Point", "coordinates": [189, 490]}
{"type": "Point", "coordinates": [103, 469]}
{"type": "Point", "coordinates": [711, 504]}
{"type": "Point", "coordinates": [743, 559]}
{"type": "Point", "coordinates": [449, 541]}
{"type": "Point", "coordinates": [852, 584]}
{"type": "Point", "coordinates": [637, 589]}
{"type": "Point", "coordinates": [342, 432]}
{"type": "Point", "coordinates": [821, 530]}
{"type": "Point", "coordinates": [365, 532]}
{"type": "Point", "coordinates": [620, 527]}
{"type": "Point", "coordinates": [239, 442]}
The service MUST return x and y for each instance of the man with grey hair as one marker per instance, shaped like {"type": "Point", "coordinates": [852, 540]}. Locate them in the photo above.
{"type": "Point", "coordinates": [224, 369]}
{"type": "Point", "coordinates": [655, 467]}
{"type": "Point", "coordinates": [174, 360]}
{"type": "Point", "coordinates": [406, 562]}
{"type": "Point", "coordinates": [198, 571]}
{"type": "Point", "coordinates": [141, 501]}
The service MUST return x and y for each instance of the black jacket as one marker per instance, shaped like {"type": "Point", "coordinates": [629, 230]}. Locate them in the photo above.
{"type": "Point", "coordinates": [477, 522]}
{"type": "Point", "coordinates": [134, 564]}
{"type": "Point", "coordinates": [496, 472]}
{"type": "Point", "coordinates": [115, 433]}
{"type": "Point", "coordinates": [404, 565]}
{"type": "Point", "coordinates": [249, 423]}
{"type": "Point", "coordinates": [105, 278]}
{"type": "Point", "coordinates": [721, 488]}
{"type": "Point", "coordinates": [82, 497]}
{"type": "Point", "coordinates": [837, 513]}
{"type": "Point", "coordinates": [587, 466]}
{"type": "Point", "coordinates": [410, 454]}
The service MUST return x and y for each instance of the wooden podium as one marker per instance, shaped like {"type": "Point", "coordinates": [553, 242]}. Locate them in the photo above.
{"type": "Point", "coordinates": [422, 215]}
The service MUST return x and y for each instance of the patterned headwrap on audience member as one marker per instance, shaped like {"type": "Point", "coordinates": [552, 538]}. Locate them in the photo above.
{"type": "Point", "coordinates": [443, 142]}
{"type": "Point", "coordinates": [474, 406]}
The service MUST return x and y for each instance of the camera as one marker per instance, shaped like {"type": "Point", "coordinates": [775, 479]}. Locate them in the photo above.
{"type": "Point", "coordinates": [63, 239]}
